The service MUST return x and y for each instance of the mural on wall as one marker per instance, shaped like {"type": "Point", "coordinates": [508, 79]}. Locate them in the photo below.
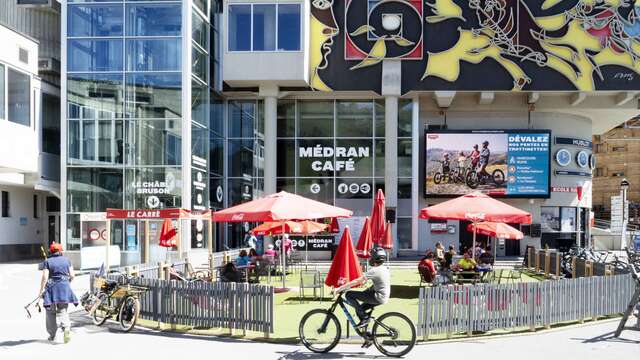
{"type": "Point", "coordinates": [514, 45]}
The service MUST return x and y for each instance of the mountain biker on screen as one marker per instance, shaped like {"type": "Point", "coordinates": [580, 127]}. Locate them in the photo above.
{"type": "Point", "coordinates": [474, 156]}
{"type": "Point", "coordinates": [377, 294]}
{"type": "Point", "coordinates": [484, 159]}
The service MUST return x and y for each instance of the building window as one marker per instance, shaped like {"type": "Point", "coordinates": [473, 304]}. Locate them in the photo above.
{"type": "Point", "coordinates": [19, 98]}
{"type": "Point", "coordinates": [617, 174]}
{"type": "Point", "coordinates": [264, 27]}
{"type": "Point", "coordinates": [23, 55]}
{"type": "Point", "coordinates": [91, 20]}
{"type": "Point", "coordinates": [618, 148]}
{"type": "Point", "coordinates": [35, 207]}
{"type": "Point", "coordinates": [598, 172]}
{"type": "Point", "coordinates": [2, 87]}
{"type": "Point", "coordinates": [5, 203]}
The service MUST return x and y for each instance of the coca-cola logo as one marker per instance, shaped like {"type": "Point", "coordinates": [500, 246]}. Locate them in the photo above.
{"type": "Point", "coordinates": [432, 136]}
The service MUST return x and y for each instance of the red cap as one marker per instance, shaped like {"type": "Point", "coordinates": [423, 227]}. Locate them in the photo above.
{"type": "Point", "coordinates": [55, 247]}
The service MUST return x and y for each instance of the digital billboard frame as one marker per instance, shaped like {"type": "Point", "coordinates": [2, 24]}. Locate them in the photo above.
{"type": "Point", "coordinates": [425, 160]}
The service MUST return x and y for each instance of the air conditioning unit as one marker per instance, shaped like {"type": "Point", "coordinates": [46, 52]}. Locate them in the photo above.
{"type": "Point", "coordinates": [49, 66]}
{"type": "Point", "coordinates": [52, 5]}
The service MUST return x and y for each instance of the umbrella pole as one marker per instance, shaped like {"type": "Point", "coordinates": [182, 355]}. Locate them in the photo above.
{"type": "Point", "coordinates": [306, 251]}
{"type": "Point", "coordinates": [473, 247]}
{"type": "Point", "coordinates": [284, 260]}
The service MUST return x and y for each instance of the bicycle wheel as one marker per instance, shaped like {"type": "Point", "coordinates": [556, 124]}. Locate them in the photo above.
{"type": "Point", "coordinates": [319, 330]}
{"type": "Point", "coordinates": [498, 176]}
{"type": "Point", "coordinates": [472, 180]}
{"type": "Point", "coordinates": [437, 178]}
{"type": "Point", "coordinates": [129, 312]}
{"type": "Point", "coordinates": [394, 334]}
{"type": "Point", "coordinates": [101, 312]}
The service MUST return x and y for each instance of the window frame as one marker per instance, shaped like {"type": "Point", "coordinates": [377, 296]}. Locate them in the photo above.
{"type": "Point", "coordinates": [5, 206]}
{"type": "Point", "coordinates": [251, 49]}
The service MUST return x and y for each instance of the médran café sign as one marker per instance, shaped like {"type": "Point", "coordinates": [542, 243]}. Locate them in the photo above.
{"type": "Point", "coordinates": [330, 157]}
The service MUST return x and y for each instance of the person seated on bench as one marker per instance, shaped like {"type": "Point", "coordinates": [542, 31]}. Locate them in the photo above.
{"type": "Point", "coordinates": [243, 259]}
{"type": "Point", "coordinates": [485, 261]}
{"type": "Point", "coordinates": [230, 273]}
{"type": "Point", "coordinates": [270, 251]}
{"type": "Point", "coordinates": [467, 264]}
{"type": "Point", "coordinates": [427, 268]}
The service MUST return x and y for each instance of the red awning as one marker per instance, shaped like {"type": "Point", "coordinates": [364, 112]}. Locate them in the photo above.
{"type": "Point", "coordinates": [150, 214]}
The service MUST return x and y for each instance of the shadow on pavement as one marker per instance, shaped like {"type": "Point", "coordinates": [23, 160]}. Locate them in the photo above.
{"type": "Point", "coordinates": [608, 337]}
{"type": "Point", "coordinates": [304, 355]}
{"type": "Point", "coordinates": [12, 343]}
{"type": "Point", "coordinates": [80, 319]}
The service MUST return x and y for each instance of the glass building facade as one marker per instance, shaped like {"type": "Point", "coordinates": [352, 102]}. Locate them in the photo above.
{"type": "Point", "coordinates": [144, 118]}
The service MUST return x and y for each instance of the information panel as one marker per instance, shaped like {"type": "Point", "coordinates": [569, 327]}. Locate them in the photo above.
{"type": "Point", "coordinates": [502, 163]}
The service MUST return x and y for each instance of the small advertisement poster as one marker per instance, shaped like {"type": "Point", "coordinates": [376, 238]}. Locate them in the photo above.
{"type": "Point", "coordinates": [507, 163]}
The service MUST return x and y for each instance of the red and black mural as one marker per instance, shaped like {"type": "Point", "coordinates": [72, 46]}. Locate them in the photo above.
{"type": "Point", "coordinates": [566, 45]}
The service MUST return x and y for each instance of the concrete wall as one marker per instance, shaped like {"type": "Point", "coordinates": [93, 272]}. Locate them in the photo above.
{"type": "Point", "coordinates": [21, 234]}
{"type": "Point", "coordinates": [249, 68]}
{"type": "Point", "coordinates": [510, 115]}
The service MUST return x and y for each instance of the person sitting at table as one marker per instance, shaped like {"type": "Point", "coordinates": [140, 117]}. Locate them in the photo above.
{"type": "Point", "coordinates": [270, 251]}
{"type": "Point", "coordinates": [448, 257]}
{"type": "Point", "coordinates": [439, 255]}
{"type": "Point", "coordinates": [243, 259]}
{"type": "Point", "coordinates": [467, 263]}
{"type": "Point", "coordinates": [478, 250]}
{"type": "Point", "coordinates": [230, 273]}
{"type": "Point", "coordinates": [253, 256]}
{"type": "Point", "coordinates": [427, 268]}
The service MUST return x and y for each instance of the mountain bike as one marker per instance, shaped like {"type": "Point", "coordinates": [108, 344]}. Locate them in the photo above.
{"type": "Point", "coordinates": [441, 175]}
{"type": "Point", "coordinates": [113, 298]}
{"type": "Point", "coordinates": [393, 334]}
{"type": "Point", "coordinates": [474, 178]}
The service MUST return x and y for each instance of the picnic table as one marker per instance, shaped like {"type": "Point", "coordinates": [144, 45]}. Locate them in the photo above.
{"type": "Point", "coordinates": [470, 276]}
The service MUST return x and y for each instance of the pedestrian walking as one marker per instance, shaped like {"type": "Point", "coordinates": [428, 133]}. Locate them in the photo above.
{"type": "Point", "coordinates": [55, 289]}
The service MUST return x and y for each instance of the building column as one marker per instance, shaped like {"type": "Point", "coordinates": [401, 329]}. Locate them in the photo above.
{"type": "Point", "coordinates": [391, 90]}
{"type": "Point", "coordinates": [415, 172]}
{"type": "Point", "coordinates": [270, 94]}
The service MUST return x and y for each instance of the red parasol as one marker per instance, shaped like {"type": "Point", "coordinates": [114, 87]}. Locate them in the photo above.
{"type": "Point", "coordinates": [378, 218]}
{"type": "Point", "coordinates": [167, 234]}
{"type": "Point", "coordinates": [345, 266]}
{"type": "Point", "coordinates": [280, 206]}
{"type": "Point", "coordinates": [476, 207]}
{"type": "Point", "coordinates": [277, 228]}
{"type": "Point", "coordinates": [496, 229]}
{"type": "Point", "coordinates": [334, 227]}
{"type": "Point", "coordinates": [365, 242]}
{"type": "Point", "coordinates": [387, 239]}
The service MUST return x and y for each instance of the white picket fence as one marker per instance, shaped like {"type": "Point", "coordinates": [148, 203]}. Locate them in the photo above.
{"type": "Point", "coordinates": [448, 310]}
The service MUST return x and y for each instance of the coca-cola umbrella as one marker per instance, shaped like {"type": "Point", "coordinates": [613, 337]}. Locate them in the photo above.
{"type": "Point", "coordinates": [387, 239]}
{"type": "Point", "coordinates": [280, 206]}
{"type": "Point", "coordinates": [303, 227]}
{"type": "Point", "coordinates": [496, 229]}
{"type": "Point", "coordinates": [476, 207]}
{"type": "Point", "coordinates": [167, 236]}
{"type": "Point", "coordinates": [378, 218]}
{"type": "Point", "coordinates": [345, 266]}
{"type": "Point", "coordinates": [365, 241]}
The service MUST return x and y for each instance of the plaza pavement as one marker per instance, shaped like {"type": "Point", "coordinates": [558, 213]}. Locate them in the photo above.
{"type": "Point", "coordinates": [22, 338]}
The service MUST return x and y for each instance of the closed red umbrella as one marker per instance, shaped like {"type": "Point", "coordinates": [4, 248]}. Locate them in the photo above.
{"type": "Point", "coordinates": [378, 218]}
{"type": "Point", "coordinates": [476, 207]}
{"type": "Point", "coordinates": [167, 234]}
{"type": "Point", "coordinates": [387, 239]}
{"type": "Point", "coordinates": [365, 242]}
{"type": "Point", "coordinates": [345, 266]}
{"type": "Point", "coordinates": [496, 229]}
{"type": "Point", "coordinates": [280, 206]}
{"type": "Point", "coordinates": [334, 227]}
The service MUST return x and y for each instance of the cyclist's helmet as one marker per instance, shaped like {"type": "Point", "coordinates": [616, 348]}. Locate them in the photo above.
{"type": "Point", "coordinates": [446, 155]}
{"type": "Point", "coordinates": [485, 143]}
{"type": "Point", "coordinates": [378, 256]}
{"type": "Point", "coordinates": [475, 146]}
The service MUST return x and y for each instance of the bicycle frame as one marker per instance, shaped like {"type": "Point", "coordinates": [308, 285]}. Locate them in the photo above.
{"type": "Point", "coordinates": [361, 332]}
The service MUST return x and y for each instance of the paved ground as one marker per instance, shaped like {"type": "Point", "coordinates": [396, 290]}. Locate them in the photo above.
{"type": "Point", "coordinates": [22, 338]}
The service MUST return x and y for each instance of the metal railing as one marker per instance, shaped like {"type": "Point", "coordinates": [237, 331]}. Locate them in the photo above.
{"type": "Point", "coordinates": [204, 304]}
{"type": "Point", "coordinates": [449, 310]}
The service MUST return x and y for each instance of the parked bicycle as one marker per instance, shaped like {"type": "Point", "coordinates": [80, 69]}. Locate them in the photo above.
{"type": "Point", "coordinates": [114, 298]}
{"type": "Point", "coordinates": [393, 334]}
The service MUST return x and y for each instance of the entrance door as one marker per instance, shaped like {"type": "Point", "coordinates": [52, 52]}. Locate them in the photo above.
{"type": "Point", "coordinates": [466, 237]}
{"type": "Point", "coordinates": [53, 228]}
{"type": "Point", "coordinates": [512, 247]}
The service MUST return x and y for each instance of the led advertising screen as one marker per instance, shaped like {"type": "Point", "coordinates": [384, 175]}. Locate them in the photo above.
{"type": "Point", "coordinates": [501, 163]}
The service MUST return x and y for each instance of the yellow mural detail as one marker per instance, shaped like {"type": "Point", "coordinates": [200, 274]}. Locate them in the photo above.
{"type": "Point", "coordinates": [443, 10]}
{"type": "Point", "coordinates": [547, 4]}
{"type": "Point", "coordinates": [471, 48]}
{"type": "Point", "coordinates": [377, 53]}
{"type": "Point", "coordinates": [321, 39]}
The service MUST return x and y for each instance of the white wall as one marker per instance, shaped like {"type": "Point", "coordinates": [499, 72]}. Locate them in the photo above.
{"type": "Point", "coordinates": [21, 206]}
{"type": "Point", "coordinates": [287, 68]}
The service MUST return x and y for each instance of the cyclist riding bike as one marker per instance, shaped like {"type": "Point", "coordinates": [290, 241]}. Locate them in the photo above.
{"type": "Point", "coordinates": [484, 159]}
{"type": "Point", "coordinates": [474, 156]}
{"type": "Point", "coordinates": [377, 294]}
